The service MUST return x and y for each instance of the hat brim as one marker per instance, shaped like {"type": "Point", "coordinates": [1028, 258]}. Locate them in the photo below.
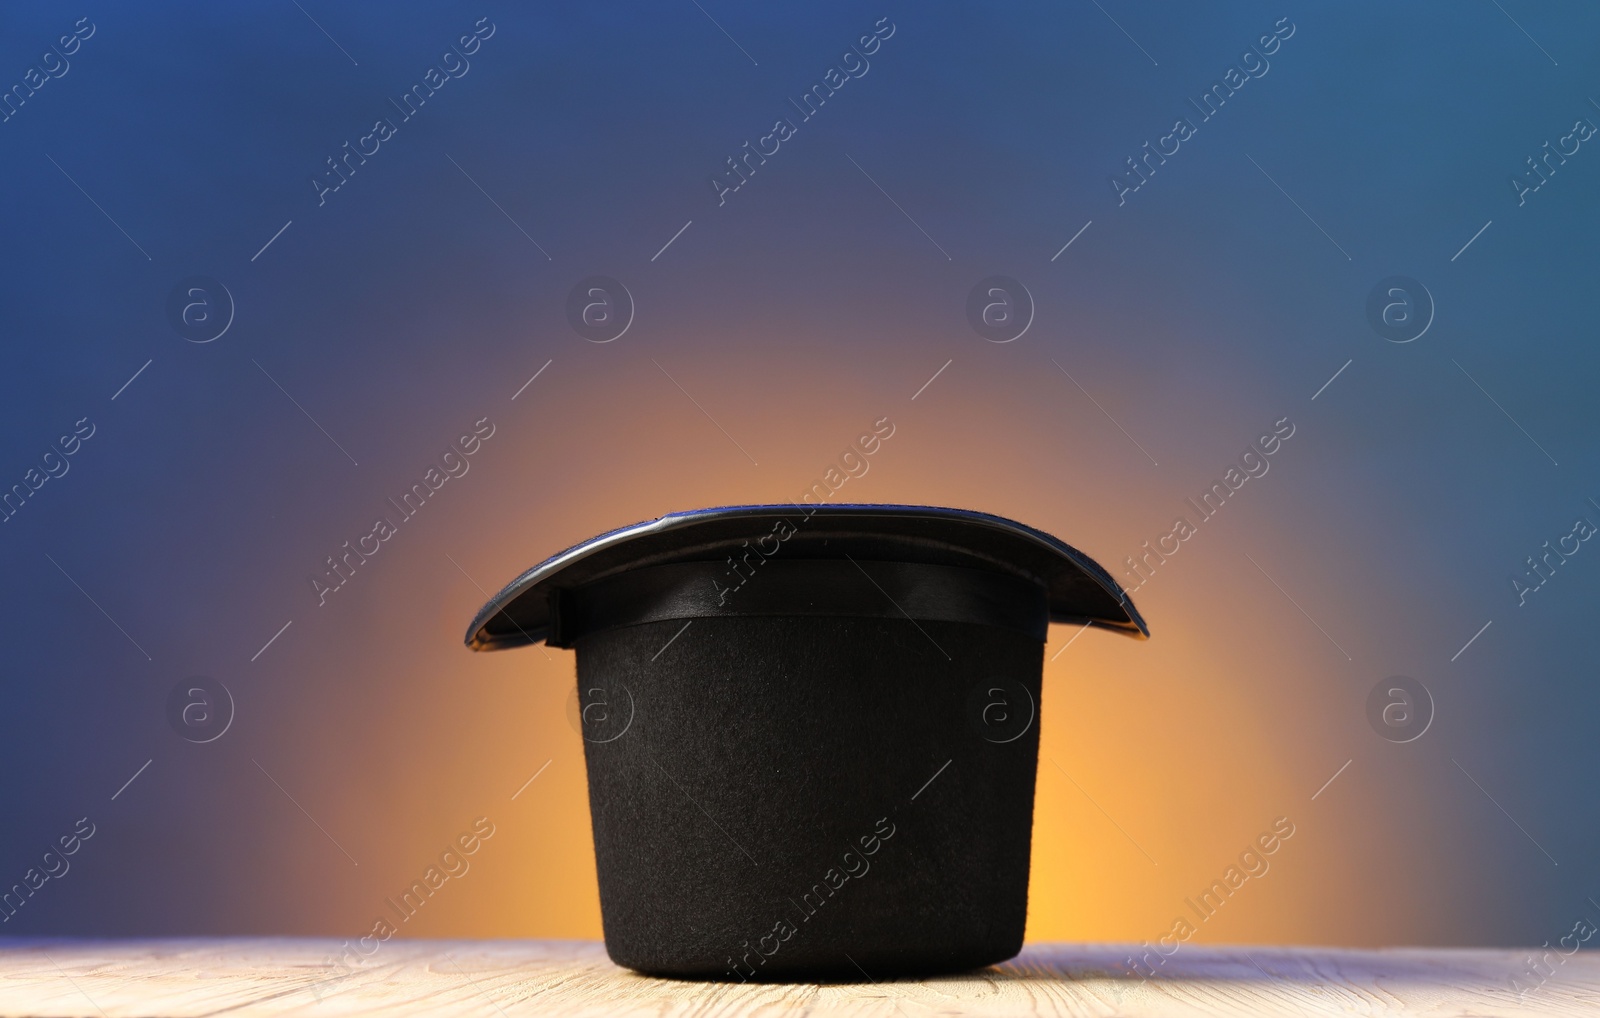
{"type": "Point", "coordinates": [1078, 590]}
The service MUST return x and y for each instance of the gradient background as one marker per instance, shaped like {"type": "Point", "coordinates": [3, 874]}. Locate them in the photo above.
{"type": "Point", "coordinates": [409, 305]}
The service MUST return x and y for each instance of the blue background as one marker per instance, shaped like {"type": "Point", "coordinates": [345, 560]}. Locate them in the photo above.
{"type": "Point", "coordinates": [411, 304]}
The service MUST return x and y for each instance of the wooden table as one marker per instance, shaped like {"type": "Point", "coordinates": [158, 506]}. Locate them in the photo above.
{"type": "Point", "coordinates": [484, 978]}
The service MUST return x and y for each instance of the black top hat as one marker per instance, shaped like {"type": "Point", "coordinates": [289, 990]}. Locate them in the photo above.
{"type": "Point", "coordinates": [832, 772]}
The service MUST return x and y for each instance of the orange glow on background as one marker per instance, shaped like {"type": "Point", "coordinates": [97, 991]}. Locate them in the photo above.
{"type": "Point", "coordinates": [1180, 750]}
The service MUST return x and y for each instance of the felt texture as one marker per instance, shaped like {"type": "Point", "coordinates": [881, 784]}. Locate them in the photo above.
{"type": "Point", "coordinates": [761, 797]}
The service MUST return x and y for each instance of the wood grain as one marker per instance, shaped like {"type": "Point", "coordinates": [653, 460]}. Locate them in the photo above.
{"type": "Point", "coordinates": [247, 977]}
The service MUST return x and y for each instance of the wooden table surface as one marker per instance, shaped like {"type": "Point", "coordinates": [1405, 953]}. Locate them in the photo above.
{"type": "Point", "coordinates": [486, 978]}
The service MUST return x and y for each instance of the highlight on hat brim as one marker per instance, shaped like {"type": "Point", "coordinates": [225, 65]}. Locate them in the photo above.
{"type": "Point", "coordinates": [1078, 590]}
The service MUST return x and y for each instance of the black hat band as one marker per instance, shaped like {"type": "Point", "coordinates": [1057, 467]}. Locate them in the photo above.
{"type": "Point", "coordinates": [817, 587]}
